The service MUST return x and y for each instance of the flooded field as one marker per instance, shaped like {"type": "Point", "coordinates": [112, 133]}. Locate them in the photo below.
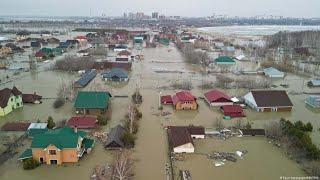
{"type": "Point", "coordinates": [151, 150]}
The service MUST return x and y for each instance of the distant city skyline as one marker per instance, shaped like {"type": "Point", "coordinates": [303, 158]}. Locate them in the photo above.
{"type": "Point", "coordinates": [185, 8]}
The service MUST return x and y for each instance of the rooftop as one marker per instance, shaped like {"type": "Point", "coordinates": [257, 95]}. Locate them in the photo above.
{"type": "Point", "coordinates": [92, 99]}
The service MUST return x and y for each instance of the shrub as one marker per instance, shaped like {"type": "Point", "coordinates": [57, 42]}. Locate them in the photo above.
{"type": "Point", "coordinates": [58, 103]}
{"type": "Point", "coordinates": [30, 163]}
{"type": "Point", "coordinates": [102, 121]}
{"type": "Point", "coordinates": [137, 98]}
{"type": "Point", "coordinates": [128, 139]}
{"type": "Point", "coordinates": [51, 123]}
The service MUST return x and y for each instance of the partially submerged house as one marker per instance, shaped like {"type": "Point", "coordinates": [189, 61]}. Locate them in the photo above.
{"type": "Point", "coordinates": [31, 98]}
{"type": "Point", "coordinates": [314, 83]}
{"type": "Point", "coordinates": [224, 60]}
{"type": "Point", "coordinates": [313, 101]}
{"type": "Point", "coordinates": [92, 102]}
{"type": "Point", "coordinates": [184, 100]}
{"type": "Point", "coordinates": [240, 57]}
{"type": "Point", "coordinates": [232, 110]}
{"type": "Point", "coordinates": [273, 72]}
{"type": "Point", "coordinates": [120, 48]}
{"type": "Point", "coordinates": [167, 99]}
{"type": "Point", "coordinates": [268, 100]}
{"type": "Point", "coordinates": [58, 146]}
{"type": "Point", "coordinates": [116, 75]}
{"type": "Point", "coordinates": [114, 138]}
{"type": "Point", "coordinates": [138, 39]}
{"type": "Point", "coordinates": [86, 78]}
{"type": "Point", "coordinates": [84, 122]}
{"type": "Point", "coordinates": [180, 138]}
{"type": "Point", "coordinates": [83, 52]}
{"type": "Point", "coordinates": [252, 132]}
{"type": "Point", "coordinates": [217, 98]}
{"type": "Point", "coordinates": [10, 99]}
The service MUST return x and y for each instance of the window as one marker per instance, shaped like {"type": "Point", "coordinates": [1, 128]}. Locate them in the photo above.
{"type": "Point", "coordinates": [18, 104]}
{"type": "Point", "coordinates": [52, 152]}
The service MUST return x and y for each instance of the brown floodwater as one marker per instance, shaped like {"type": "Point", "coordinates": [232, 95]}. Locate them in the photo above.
{"type": "Point", "coordinates": [263, 161]}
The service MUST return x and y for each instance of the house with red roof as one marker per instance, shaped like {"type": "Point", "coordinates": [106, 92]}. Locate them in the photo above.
{"type": "Point", "coordinates": [232, 110]}
{"type": "Point", "coordinates": [184, 100]}
{"type": "Point", "coordinates": [217, 98]}
{"type": "Point", "coordinates": [82, 122]}
{"type": "Point", "coordinates": [81, 39]}
{"type": "Point", "coordinates": [166, 99]}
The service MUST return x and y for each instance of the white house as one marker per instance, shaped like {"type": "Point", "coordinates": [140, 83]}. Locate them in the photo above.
{"type": "Point", "coordinates": [273, 72]}
{"type": "Point", "coordinates": [267, 101]}
{"type": "Point", "coordinates": [181, 138]}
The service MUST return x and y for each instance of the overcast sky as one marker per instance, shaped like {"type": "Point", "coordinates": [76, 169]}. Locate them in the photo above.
{"type": "Point", "coordinates": [292, 8]}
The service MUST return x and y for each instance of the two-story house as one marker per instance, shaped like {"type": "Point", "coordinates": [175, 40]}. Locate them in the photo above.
{"type": "Point", "coordinates": [63, 145]}
{"type": "Point", "coordinates": [10, 99]}
{"type": "Point", "coordinates": [184, 100]}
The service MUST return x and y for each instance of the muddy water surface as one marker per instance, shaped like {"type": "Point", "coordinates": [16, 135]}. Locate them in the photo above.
{"type": "Point", "coordinates": [263, 161]}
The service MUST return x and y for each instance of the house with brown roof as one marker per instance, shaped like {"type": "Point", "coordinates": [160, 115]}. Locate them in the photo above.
{"type": "Point", "coordinates": [10, 99]}
{"type": "Point", "coordinates": [268, 100]}
{"type": "Point", "coordinates": [181, 138]}
{"type": "Point", "coordinates": [184, 100]}
{"type": "Point", "coordinates": [217, 98]}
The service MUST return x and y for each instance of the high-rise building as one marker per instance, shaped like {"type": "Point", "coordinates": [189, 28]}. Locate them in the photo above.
{"type": "Point", "coordinates": [155, 15]}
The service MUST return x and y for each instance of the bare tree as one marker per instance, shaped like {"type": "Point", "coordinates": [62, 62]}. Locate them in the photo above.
{"type": "Point", "coordinates": [273, 130]}
{"type": "Point", "coordinates": [123, 166]}
{"type": "Point", "coordinates": [132, 115]}
{"type": "Point", "coordinates": [219, 124]}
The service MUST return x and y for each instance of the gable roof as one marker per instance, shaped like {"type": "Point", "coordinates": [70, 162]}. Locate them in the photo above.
{"type": "Point", "coordinates": [183, 96]}
{"type": "Point", "coordinates": [115, 135]}
{"type": "Point", "coordinates": [82, 122]}
{"type": "Point", "coordinates": [86, 78]}
{"type": "Point", "coordinates": [272, 71]}
{"type": "Point", "coordinates": [5, 95]}
{"type": "Point", "coordinates": [232, 108]}
{"type": "Point", "coordinates": [273, 98]}
{"type": "Point", "coordinates": [215, 95]}
{"type": "Point", "coordinates": [115, 72]}
{"type": "Point", "coordinates": [61, 138]}
{"type": "Point", "coordinates": [92, 99]}
{"type": "Point", "coordinates": [180, 135]}
{"type": "Point", "coordinates": [224, 59]}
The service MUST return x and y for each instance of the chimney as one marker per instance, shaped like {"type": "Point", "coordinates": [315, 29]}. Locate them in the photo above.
{"type": "Point", "coordinates": [75, 129]}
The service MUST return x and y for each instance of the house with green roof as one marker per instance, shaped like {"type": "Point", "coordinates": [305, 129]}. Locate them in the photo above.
{"type": "Point", "coordinates": [57, 146]}
{"type": "Point", "coordinates": [92, 102]}
{"type": "Point", "coordinates": [224, 60]}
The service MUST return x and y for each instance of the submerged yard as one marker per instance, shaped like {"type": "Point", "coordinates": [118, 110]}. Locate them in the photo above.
{"type": "Point", "coordinates": [263, 161]}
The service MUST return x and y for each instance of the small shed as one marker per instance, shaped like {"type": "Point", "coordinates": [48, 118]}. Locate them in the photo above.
{"type": "Point", "coordinates": [82, 122]}
{"type": "Point", "coordinates": [114, 138]}
{"type": "Point", "coordinates": [240, 57]}
{"type": "Point", "coordinates": [31, 98]}
{"type": "Point", "coordinates": [273, 72]}
{"type": "Point", "coordinates": [167, 99]}
{"type": "Point", "coordinates": [36, 128]}
{"type": "Point", "coordinates": [232, 111]}
{"type": "Point", "coordinates": [138, 39]}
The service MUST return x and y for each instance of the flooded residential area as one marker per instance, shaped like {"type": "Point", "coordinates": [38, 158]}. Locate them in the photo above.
{"type": "Point", "coordinates": [159, 97]}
